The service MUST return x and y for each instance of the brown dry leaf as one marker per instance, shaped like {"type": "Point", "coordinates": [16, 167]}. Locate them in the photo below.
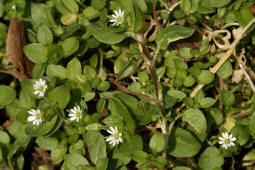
{"type": "Point", "coordinates": [14, 49]}
{"type": "Point", "coordinates": [237, 76]}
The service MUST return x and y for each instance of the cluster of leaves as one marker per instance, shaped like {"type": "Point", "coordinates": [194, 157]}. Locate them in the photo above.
{"type": "Point", "coordinates": [164, 77]}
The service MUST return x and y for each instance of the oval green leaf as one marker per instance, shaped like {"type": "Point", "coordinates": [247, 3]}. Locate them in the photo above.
{"type": "Point", "coordinates": [182, 143]}
{"type": "Point", "coordinates": [196, 119]}
{"type": "Point", "coordinates": [172, 33]}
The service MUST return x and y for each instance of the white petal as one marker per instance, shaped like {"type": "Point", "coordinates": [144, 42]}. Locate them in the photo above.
{"type": "Point", "coordinates": [116, 129]}
{"type": "Point", "coordinates": [120, 139]}
{"type": "Point", "coordinates": [112, 20]}
{"type": "Point", "coordinates": [221, 142]}
{"type": "Point", "coordinates": [72, 115]}
{"type": "Point", "coordinates": [36, 92]}
{"type": "Point", "coordinates": [31, 118]}
{"type": "Point", "coordinates": [225, 135]}
{"type": "Point", "coordinates": [109, 131]}
{"type": "Point", "coordinates": [112, 129]}
{"type": "Point", "coordinates": [225, 146]}
{"type": "Point", "coordinates": [109, 139]}
{"type": "Point", "coordinates": [233, 139]}
{"type": "Point", "coordinates": [32, 112]}
{"type": "Point", "coordinates": [34, 122]}
{"type": "Point", "coordinates": [112, 141]}
{"type": "Point", "coordinates": [41, 94]}
{"type": "Point", "coordinates": [230, 136]}
{"type": "Point", "coordinates": [232, 143]}
{"type": "Point", "coordinates": [72, 118]}
{"type": "Point", "coordinates": [221, 138]}
{"type": "Point", "coordinates": [116, 13]}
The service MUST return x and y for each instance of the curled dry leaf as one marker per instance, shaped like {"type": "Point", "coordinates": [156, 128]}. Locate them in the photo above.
{"type": "Point", "coordinates": [237, 76]}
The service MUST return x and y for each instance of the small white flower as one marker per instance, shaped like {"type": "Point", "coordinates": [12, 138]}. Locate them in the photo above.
{"type": "Point", "coordinates": [227, 140]}
{"type": "Point", "coordinates": [115, 137]}
{"type": "Point", "coordinates": [76, 114]}
{"type": "Point", "coordinates": [36, 117]}
{"type": "Point", "coordinates": [40, 87]}
{"type": "Point", "coordinates": [118, 18]}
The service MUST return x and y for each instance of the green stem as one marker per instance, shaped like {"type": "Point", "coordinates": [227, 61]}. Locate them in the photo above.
{"type": "Point", "coordinates": [168, 133]}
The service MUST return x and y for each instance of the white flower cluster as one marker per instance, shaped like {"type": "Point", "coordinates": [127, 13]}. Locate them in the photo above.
{"type": "Point", "coordinates": [115, 137]}
{"type": "Point", "coordinates": [118, 18]}
{"type": "Point", "coordinates": [36, 116]}
{"type": "Point", "coordinates": [40, 87]}
{"type": "Point", "coordinates": [227, 140]}
{"type": "Point", "coordinates": [76, 113]}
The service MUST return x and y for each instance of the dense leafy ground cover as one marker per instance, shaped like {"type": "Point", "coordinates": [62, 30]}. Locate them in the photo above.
{"type": "Point", "coordinates": [127, 84]}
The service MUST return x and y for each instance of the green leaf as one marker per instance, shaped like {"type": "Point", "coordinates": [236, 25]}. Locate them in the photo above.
{"type": "Point", "coordinates": [141, 4]}
{"type": "Point", "coordinates": [89, 73]}
{"type": "Point", "coordinates": [123, 154]}
{"type": "Point", "coordinates": [4, 137]}
{"type": "Point", "coordinates": [251, 125]}
{"type": "Point", "coordinates": [70, 45]}
{"type": "Point", "coordinates": [90, 12]}
{"type": "Point", "coordinates": [182, 143]}
{"type": "Point", "coordinates": [244, 16]}
{"type": "Point", "coordinates": [1, 8]}
{"type": "Point", "coordinates": [44, 35]}
{"type": "Point", "coordinates": [77, 147]}
{"type": "Point", "coordinates": [227, 98]}
{"type": "Point", "coordinates": [73, 70]}
{"type": "Point", "coordinates": [196, 119]}
{"type": "Point", "coordinates": [74, 160]}
{"type": "Point", "coordinates": [56, 71]}
{"type": "Point", "coordinates": [59, 95]}
{"type": "Point", "coordinates": [139, 20]}
{"type": "Point", "coordinates": [59, 152]}
{"type": "Point", "coordinates": [128, 100]}
{"type": "Point", "coordinates": [177, 94]}
{"type": "Point", "coordinates": [172, 33]}
{"type": "Point", "coordinates": [118, 108]}
{"type": "Point", "coordinates": [38, 53]}
{"type": "Point", "coordinates": [185, 6]}
{"type": "Point", "coordinates": [98, 4]}
{"type": "Point", "coordinates": [240, 132]}
{"type": "Point", "coordinates": [219, 4]}
{"type": "Point", "coordinates": [97, 145]}
{"type": "Point", "coordinates": [211, 158]}
{"type": "Point", "coordinates": [181, 168]}
{"type": "Point", "coordinates": [38, 70]}
{"type": "Point", "coordinates": [71, 5]}
{"type": "Point", "coordinates": [189, 81]}
{"type": "Point", "coordinates": [7, 96]}
{"type": "Point", "coordinates": [39, 14]}
{"type": "Point", "coordinates": [46, 143]}
{"type": "Point", "coordinates": [225, 71]}
{"type": "Point", "coordinates": [106, 35]}
{"type": "Point", "coordinates": [44, 129]}
{"type": "Point", "coordinates": [205, 47]}
{"type": "Point", "coordinates": [157, 142]}
{"type": "Point", "coordinates": [129, 9]}
{"type": "Point", "coordinates": [68, 18]}
{"type": "Point", "coordinates": [249, 157]}
{"type": "Point", "coordinates": [217, 115]}
{"type": "Point", "coordinates": [205, 77]}
{"type": "Point", "coordinates": [207, 102]}
{"type": "Point", "coordinates": [140, 156]}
